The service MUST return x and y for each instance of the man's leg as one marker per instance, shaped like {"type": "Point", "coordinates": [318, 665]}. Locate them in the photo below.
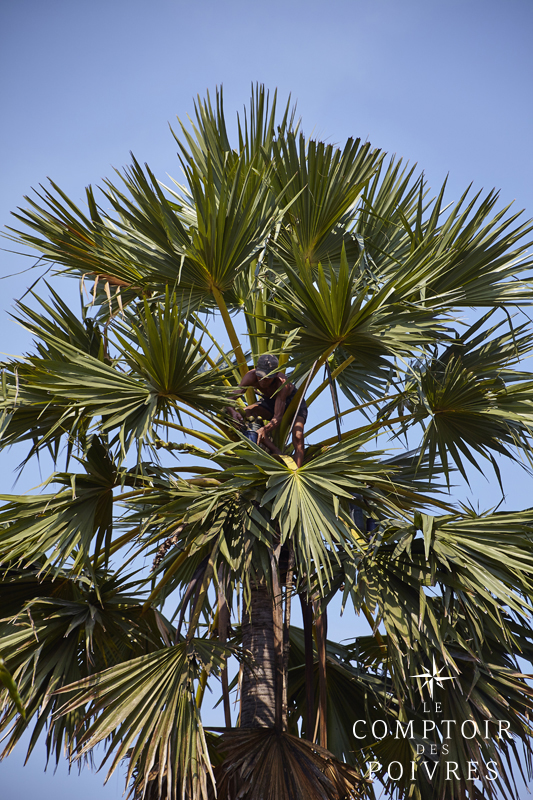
{"type": "Point", "coordinates": [265, 441]}
{"type": "Point", "coordinates": [298, 441]}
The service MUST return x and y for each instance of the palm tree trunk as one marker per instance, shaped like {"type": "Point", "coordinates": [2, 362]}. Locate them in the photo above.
{"type": "Point", "coordinates": [286, 634]}
{"type": "Point", "coordinates": [307, 615]}
{"type": "Point", "coordinates": [258, 692]}
{"type": "Point", "coordinates": [277, 614]}
{"type": "Point", "coordinates": [223, 627]}
{"type": "Point", "coordinates": [321, 628]}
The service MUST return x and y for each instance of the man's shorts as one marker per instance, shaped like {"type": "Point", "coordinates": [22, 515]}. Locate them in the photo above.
{"type": "Point", "coordinates": [270, 402]}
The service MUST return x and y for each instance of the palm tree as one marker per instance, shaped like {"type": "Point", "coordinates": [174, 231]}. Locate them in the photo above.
{"type": "Point", "coordinates": [341, 263]}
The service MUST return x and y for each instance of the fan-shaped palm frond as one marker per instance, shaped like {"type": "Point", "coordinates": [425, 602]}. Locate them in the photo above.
{"type": "Point", "coordinates": [147, 705]}
{"type": "Point", "coordinates": [323, 184]}
{"type": "Point", "coordinates": [167, 367]}
{"type": "Point", "coordinates": [160, 348]}
{"type": "Point", "coordinates": [469, 398]}
{"type": "Point", "coordinates": [58, 631]}
{"type": "Point", "coordinates": [458, 256]}
{"type": "Point", "coordinates": [65, 524]}
{"type": "Point", "coordinates": [338, 310]}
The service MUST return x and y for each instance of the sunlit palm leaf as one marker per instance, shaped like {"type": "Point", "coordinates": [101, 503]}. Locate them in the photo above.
{"type": "Point", "coordinates": [323, 184]}
{"type": "Point", "coordinates": [63, 525]}
{"type": "Point", "coordinates": [7, 680]}
{"type": "Point", "coordinates": [341, 310]}
{"type": "Point", "coordinates": [257, 130]}
{"type": "Point", "coordinates": [159, 347]}
{"type": "Point", "coordinates": [148, 709]}
{"type": "Point", "coordinates": [461, 257]}
{"type": "Point", "coordinates": [60, 631]}
{"type": "Point", "coordinates": [169, 370]}
{"type": "Point", "coordinates": [470, 398]}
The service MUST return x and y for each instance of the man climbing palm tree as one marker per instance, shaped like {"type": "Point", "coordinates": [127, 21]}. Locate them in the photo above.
{"type": "Point", "coordinates": [277, 394]}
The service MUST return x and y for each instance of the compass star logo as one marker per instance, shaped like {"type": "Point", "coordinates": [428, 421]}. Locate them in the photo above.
{"type": "Point", "coordinates": [433, 677]}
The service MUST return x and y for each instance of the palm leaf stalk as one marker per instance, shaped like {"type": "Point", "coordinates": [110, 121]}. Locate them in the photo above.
{"type": "Point", "coordinates": [327, 257]}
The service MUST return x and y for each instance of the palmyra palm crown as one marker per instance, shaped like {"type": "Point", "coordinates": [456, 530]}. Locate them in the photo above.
{"type": "Point", "coordinates": [341, 264]}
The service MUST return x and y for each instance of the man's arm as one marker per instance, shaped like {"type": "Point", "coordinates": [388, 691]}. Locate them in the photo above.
{"type": "Point", "coordinates": [250, 379]}
{"type": "Point", "coordinates": [247, 380]}
{"type": "Point", "coordinates": [279, 407]}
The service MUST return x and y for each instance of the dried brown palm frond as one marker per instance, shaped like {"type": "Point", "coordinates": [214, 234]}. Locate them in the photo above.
{"type": "Point", "coordinates": [264, 764]}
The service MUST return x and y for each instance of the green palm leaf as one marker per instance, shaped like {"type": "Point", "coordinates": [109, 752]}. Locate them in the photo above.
{"type": "Point", "coordinates": [470, 399]}
{"type": "Point", "coordinates": [464, 257]}
{"type": "Point", "coordinates": [148, 709]}
{"type": "Point", "coordinates": [63, 525]}
{"type": "Point", "coordinates": [7, 680]}
{"type": "Point", "coordinates": [339, 309]}
{"type": "Point", "coordinates": [160, 348]}
{"type": "Point", "coordinates": [61, 630]}
{"type": "Point", "coordinates": [323, 185]}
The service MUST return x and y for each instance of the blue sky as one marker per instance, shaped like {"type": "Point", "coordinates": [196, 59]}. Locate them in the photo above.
{"type": "Point", "coordinates": [445, 84]}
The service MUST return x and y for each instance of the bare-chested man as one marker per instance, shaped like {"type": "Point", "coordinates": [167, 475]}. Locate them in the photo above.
{"type": "Point", "coordinates": [277, 394]}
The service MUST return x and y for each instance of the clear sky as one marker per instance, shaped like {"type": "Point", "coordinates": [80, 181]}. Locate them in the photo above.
{"type": "Point", "coordinates": [445, 84]}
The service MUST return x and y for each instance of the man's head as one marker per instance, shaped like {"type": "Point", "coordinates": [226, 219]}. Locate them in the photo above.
{"type": "Point", "coordinates": [266, 364]}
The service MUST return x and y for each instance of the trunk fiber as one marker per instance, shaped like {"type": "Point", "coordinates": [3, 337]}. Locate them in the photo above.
{"type": "Point", "coordinates": [258, 691]}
